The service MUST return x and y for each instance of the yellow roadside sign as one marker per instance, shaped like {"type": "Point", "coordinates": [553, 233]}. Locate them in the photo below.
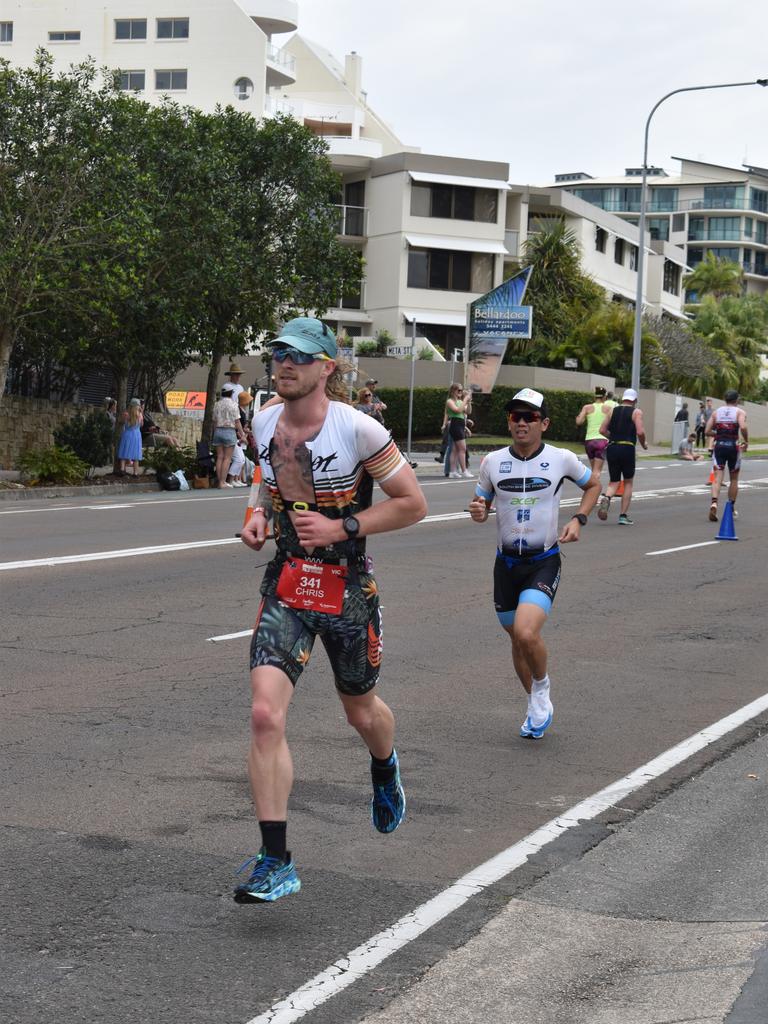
{"type": "Point", "coordinates": [175, 399]}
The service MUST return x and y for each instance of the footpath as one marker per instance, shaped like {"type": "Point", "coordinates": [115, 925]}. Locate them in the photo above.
{"type": "Point", "coordinates": [662, 922]}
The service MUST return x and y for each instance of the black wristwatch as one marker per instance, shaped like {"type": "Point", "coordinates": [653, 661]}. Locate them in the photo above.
{"type": "Point", "coordinates": [351, 527]}
{"type": "Point", "coordinates": [581, 517]}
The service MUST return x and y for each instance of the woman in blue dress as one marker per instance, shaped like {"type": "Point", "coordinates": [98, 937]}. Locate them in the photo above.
{"type": "Point", "coordinates": [129, 449]}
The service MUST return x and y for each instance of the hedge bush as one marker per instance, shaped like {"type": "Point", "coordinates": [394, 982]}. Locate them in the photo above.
{"type": "Point", "coordinates": [52, 465]}
{"type": "Point", "coordinates": [487, 411]}
{"type": "Point", "coordinates": [89, 437]}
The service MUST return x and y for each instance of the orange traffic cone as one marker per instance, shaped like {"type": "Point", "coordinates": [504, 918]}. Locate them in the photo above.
{"type": "Point", "coordinates": [711, 477]}
{"type": "Point", "coordinates": [620, 489]}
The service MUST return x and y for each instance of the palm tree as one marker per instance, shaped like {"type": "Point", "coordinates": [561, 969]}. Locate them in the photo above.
{"type": "Point", "coordinates": [715, 277]}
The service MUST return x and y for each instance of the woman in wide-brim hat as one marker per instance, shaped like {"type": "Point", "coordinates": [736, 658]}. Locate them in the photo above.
{"type": "Point", "coordinates": [233, 368]}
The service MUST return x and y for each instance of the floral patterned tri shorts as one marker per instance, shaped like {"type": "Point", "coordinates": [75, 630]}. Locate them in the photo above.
{"type": "Point", "coordinates": [284, 637]}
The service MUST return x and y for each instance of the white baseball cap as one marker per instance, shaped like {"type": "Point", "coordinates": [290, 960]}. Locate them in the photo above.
{"type": "Point", "coordinates": [630, 395]}
{"type": "Point", "coordinates": [530, 397]}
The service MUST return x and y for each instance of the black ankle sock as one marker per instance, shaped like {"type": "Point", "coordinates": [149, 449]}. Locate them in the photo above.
{"type": "Point", "coordinates": [273, 838]}
{"type": "Point", "coordinates": [383, 771]}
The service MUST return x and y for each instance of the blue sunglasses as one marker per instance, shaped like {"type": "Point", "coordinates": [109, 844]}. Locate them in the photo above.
{"type": "Point", "coordinates": [297, 358]}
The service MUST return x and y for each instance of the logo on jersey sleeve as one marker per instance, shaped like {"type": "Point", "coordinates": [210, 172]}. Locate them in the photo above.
{"type": "Point", "coordinates": [531, 483]}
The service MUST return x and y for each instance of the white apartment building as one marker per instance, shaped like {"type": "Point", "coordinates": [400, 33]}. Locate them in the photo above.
{"type": "Point", "coordinates": [609, 247]}
{"type": "Point", "coordinates": [199, 52]}
{"type": "Point", "coordinates": [430, 228]}
{"type": "Point", "coordinates": [705, 208]}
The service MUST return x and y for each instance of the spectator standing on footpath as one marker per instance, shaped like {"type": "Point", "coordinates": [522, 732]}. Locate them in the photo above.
{"type": "Point", "coordinates": [129, 448]}
{"type": "Point", "coordinates": [457, 406]}
{"type": "Point", "coordinates": [226, 432]}
{"type": "Point", "coordinates": [700, 424]}
{"type": "Point", "coordinates": [525, 480]}
{"type": "Point", "coordinates": [365, 404]}
{"type": "Point", "coordinates": [682, 416]}
{"type": "Point", "coordinates": [371, 384]}
{"type": "Point", "coordinates": [320, 459]}
{"type": "Point", "coordinates": [724, 426]}
{"type": "Point", "coordinates": [593, 414]}
{"type": "Point", "coordinates": [623, 426]}
{"type": "Point", "coordinates": [708, 410]}
{"type": "Point", "coordinates": [235, 387]}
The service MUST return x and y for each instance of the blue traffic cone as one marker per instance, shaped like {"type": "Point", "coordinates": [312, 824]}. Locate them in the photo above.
{"type": "Point", "coordinates": [727, 529]}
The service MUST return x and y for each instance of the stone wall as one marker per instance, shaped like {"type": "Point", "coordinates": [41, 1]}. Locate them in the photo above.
{"type": "Point", "coordinates": [30, 422]}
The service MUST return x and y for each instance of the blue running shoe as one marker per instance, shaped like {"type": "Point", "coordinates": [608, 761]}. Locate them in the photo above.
{"type": "Point", "coordinates": [388, 803]}
{"type": "Point", "coordinates": [535, 732]}
{"type": "Point", "coordinates": [270, 879]}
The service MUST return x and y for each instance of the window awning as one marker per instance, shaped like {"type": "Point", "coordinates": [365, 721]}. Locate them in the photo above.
{"type": "Point", "coordinates": [453, 179]}
{"type": "Point", "coordinates": [456, 244]}
{"type": "Point", "coordinates": [432, 316]}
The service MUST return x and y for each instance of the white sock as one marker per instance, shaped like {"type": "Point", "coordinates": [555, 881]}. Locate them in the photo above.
{"type": "Point", "coordinates": [540, 704]}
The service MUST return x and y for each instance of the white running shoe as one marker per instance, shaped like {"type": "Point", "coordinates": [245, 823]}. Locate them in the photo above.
{"type": "Point", "coordinates": [455, 475]}
{"type": "Point", "coordinates": [467, 475]}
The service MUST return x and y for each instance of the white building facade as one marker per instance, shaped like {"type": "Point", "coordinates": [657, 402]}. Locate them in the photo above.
{"type": "Point", "coordinates": [705, 208]}
{"type": "Point", "coordinates": [197, 52]}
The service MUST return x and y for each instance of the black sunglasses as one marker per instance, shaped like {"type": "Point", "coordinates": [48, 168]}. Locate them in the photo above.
{"type": "Point", "coordinates": [296, 357]}
{"type": "Point", "coordinates": [524, 416]}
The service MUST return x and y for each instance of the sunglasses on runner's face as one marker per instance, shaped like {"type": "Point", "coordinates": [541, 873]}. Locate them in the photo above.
{"type": "Point", "coordinates": [524, 416]}
{"type": "Point", "coordinates": [296, 357]}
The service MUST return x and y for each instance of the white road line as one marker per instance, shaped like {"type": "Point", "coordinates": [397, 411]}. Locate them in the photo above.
{"type": "Point", "coordinates": [99, 556]}
{"type": "Point", "coordinates": [686, 547]}
{"type": "Point", "coordinates": [357, 963]}
{"type": "Point", "coordinates": [133, 504]}
{"type": "Point", "coordinates": [230, 636]}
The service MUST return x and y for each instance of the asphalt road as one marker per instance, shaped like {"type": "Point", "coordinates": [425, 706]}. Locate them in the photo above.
{"type": "Point", "coordinates": [125, 806]}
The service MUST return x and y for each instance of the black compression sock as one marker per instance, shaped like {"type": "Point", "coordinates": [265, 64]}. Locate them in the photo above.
{"type": "Point", "coordinates": [273, 838]}
{"type": "Point", "coordinates": [383, 772]}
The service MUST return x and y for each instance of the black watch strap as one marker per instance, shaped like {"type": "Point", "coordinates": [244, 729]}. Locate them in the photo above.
{"type": "Point", "coordinates": [581, 517]}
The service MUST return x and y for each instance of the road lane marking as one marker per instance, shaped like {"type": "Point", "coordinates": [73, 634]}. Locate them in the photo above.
{"type": "Point", "coordinates": [686, 547]}
{"type": "Point", "coordinates": [139, 503]}
{"type": "Point", "coordinates": [363, 959]}
{"type": "Point", "coordinates": [230, 636]}
{"type": "Point", "coordinates": [99, 556]}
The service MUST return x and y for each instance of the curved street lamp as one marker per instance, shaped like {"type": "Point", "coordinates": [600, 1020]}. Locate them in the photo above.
{"type": "Point", "coordinates": [637, 339]}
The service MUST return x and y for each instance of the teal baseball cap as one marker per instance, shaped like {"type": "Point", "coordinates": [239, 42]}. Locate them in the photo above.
{"type": "Point", "coordinates": [306, 334]}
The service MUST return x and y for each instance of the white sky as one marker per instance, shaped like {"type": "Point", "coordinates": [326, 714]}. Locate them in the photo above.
{"type": "Point", "coordinates": [552, 86]}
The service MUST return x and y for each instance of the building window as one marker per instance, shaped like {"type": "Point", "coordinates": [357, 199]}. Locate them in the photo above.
{"type": "Point", "coordinates": [629, 199]}
{"type": "Point", "coordinates": [173, 28]}
{"type": "Point", "coordinates": [131, 28]}
{"type": "Point", "coordinates": [727, 229]}
{"type": "Point", "coordinates": [663, 199]}
{"type": "Point", "coordinates": [658, 228]}
{"type": "Point", "coordinates": [132, 81]}
{"type": "Point", "coordinates": [731, 255]}
{"type": "Point", "coordinates": [633, 257]}
{"type": "Point", "coordinates": [6, 31]}
{"type": "Point", "coordinates": [748, 227]}
{"type": "Point", "coordinates": [759, 200]}
{"type": "Point", "coordinates": [601, 239]}
{"type": "Point", "coordinates": [243, 89]}
{"type": "Point", "coordinates": [171, 81]}
{"type": "Point", "coordinates": [618, 251]}
{"type": "Point", "coordinates": [678, 222]}
{"type": "Point", "coordinates": [696, 229]}
{"type": "Point", "coordinates": [671, 281]}
{"type": "Point", "coordinates": [449, 271]}
{"type": "Point", "coordinates": [760, 232]}
{"type": "Point", "coordinates": [602, 197]}
{"type": "Point", "coordinates": [723, 197]}
{"type": "Point", "coordinates": [454, 202]}
{"type": "Point", "coordinates": [64, 36]}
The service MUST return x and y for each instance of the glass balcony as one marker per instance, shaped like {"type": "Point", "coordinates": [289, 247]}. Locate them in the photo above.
{"type": "Point", "coordinates": [285, 60]}
{"type": "Point", "coordinates": [512, 242]}
{"type": "Point", "coordinates": [713, 235]}
{"type": "Point", "coordinates": [352, 220]}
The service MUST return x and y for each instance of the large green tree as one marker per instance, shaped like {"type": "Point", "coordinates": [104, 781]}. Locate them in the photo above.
{"type": "Point", "coordinates": [561, 294]}
{"type": "Point", "coordinates": [736, 332]}
{"type": "Point", "coordinates": [266, 244]}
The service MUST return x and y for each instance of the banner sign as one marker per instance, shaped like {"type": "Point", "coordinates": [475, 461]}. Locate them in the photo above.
{"type": "Point", "coordinates": [195, 400]}
{"type": "Point", "coordinates": [175, 399]}
{"type": "Point", "coordinates": [494, 318]}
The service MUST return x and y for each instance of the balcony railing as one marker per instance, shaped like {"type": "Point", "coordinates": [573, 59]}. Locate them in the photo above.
{"type": "Point", "coordinates": [729, 235]}
{"type": "Point", "coordinates": [274, 106]}
{"type": "Point", "coordinates": [754, 268]}
{"type": "Point", "coordinates": [276, 56]}
{"type": "Point", "coordinates": [352, 220]}
{"type": "Point", "coordinates": [666, 206]}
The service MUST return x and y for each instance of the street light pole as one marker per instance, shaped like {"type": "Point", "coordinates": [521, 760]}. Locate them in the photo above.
{"type": "Point", "coordinates": [637, 339]}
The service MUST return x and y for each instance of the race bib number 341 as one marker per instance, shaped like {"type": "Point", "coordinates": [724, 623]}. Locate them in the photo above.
{"type": "Point", "coordinates": [312, 586]}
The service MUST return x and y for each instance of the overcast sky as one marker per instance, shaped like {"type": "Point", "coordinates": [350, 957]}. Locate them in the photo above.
{"type": "Point", "coordinates": [559, 85]}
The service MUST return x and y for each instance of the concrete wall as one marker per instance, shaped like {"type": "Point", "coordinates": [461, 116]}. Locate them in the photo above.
{"type": "Point", "coordinates": [659, 414]}
{"type": "Point", "coordinates": [30, 422]}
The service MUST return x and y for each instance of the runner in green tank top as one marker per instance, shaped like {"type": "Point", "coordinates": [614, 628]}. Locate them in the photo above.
{"type": "Point", "coordinates": [593, 414]}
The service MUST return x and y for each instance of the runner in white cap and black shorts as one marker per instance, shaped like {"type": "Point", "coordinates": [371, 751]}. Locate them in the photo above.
{"type": "Point", "coordinates": [525, 482]}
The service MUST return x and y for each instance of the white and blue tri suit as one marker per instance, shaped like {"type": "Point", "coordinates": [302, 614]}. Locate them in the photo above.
{"type": "Point", "coordinates": [526, 492]}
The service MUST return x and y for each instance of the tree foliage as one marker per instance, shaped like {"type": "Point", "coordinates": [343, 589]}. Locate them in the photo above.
{"type": "Point", "coordinates": [715, 277]}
